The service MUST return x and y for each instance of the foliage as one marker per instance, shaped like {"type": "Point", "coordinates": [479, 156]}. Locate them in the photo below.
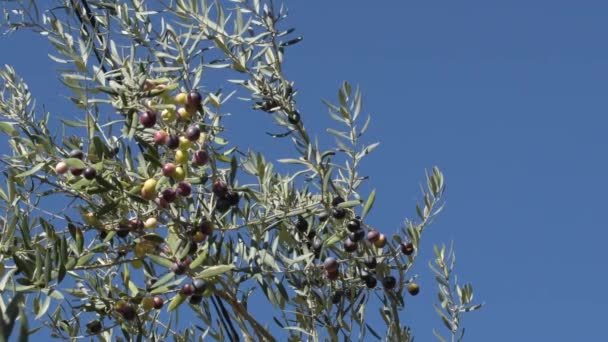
{"type": "Point", "coordinates": [95, 242]}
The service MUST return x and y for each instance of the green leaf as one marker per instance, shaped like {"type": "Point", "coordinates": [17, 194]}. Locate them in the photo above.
{"type": "Point", "coordinates": [12, 311]}
{"type": "Point", "coordinates": [292, 41]}
{"type": "Point", "coordinates": [44, 307]}
{"type": "Point", "coordinates": [473, 308]}
{"type": "Point", "coordinates": [47, 267]}
{"type": "Point", "coordinates": [72, 123]}
{"type": "Point", "coordinates": [342, 135]}
{"type": "Point", "coordinates": [133, 288]}
{"type": "Point", "coordinates": [162, 281]}
{"type": "Point", "coordinates": [233, 169]}
{"type": "Point", "coordinates": [441, 339]}
{"type": "Point", "coordinates": [31, 171]}
{"type": "Point", "coordinates": [369, 204]}
{"type": "Point", "coordinates": [349, 204]}
{"type": "Point", "coordinates": [376, 335]}
{"type": "Point", "coordinates": [295, 161]}
{"type": "Point", "coordinates": [338, 236]}
{"type": "Point", "coordinates": [84, 259]}
{"type": "Point", "coordinates": [157, 259]}
{"type": "Point", "coordinates": [24, 328]}
{"type": "Point", "coordinates": [200, 259]}
{"type": "Point", "coordinates": [213, 271]}
{"type": "Point", "coordinates": [7, 128]}
{"type": "Point", "coordinates": [8, 275]}
{"type": "Point", "coordinates": [75, 163]}
{"type": "Point", "coordinates": [154, 238]}
{"type": "Point", "coordinates": [176, 301]}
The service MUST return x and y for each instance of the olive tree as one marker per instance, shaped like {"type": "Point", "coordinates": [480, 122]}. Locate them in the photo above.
{"type": "Point", "coordinates": [136, 218]}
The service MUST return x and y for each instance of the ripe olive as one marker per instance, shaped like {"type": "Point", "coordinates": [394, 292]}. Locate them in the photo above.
{"type": "Point", "coordinates": [338, 213]}
{"type": "Point", "coordinates": [193, 133]}
{"type": "Point", "coordinates": [147, 119]}
{"type": "Point", "coordinates": [350, 246]}
{"type": "Point", "coordinates": [389, 282]}
{"type": "Point", "coordinates": [90, 173]}
{"type": "Point", "coordinates": [330, 264]}
{"type": "Point", "coordinates": [373, 236]}
{"type": "Point", "coordinates": [61, 168]}
{"type": "Point", "coordinates": [407, 248]}
{"type": "Point", "coordinates": [78, 154]}
{"type": "Point", "coordinates": [301, 224]}
{"type": "Point", "coordinates": [353, 225]}
{"type": "Point", "coordinates": [413, 289]}
{"type": "Point", "coordinates": [337, 200]}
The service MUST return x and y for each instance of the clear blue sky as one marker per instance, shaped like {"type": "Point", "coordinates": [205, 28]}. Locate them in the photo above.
{"type": "Point", "coordinates": [509, 100]}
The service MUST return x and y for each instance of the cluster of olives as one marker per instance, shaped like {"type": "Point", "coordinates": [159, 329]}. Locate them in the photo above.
{"type": "Point", "coordinates": [196, 291]}
{"type": "Point", "coordinates": [356, 234]}
{"type": "Point", "coordinates": [128, 310]}
{"type": "Point", "coordinates": [62, 167]}
{"type": "Point", "coordinates": [174, 129]}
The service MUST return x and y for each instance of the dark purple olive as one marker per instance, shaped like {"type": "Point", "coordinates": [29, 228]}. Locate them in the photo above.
{"type": "Point", "coordinates": [338, 213]}
{"type": "Point", "coordinates": [353, 225]}
{"type": "Point", "coordinates": [76, 171]}
{"type": "Point", "coordinates": [199, 285]}
{"type": "Point", "coordinates": [147, 119]}
{"type": "Point", "coordinates": [407, 248]}
{"type": "Point", "coordinates": [78, 154]}
{"type": "Point", "coordinates": [169, 195]}
{"type": "Point", "coordinates": [200, 158]}
{"type": "Point", "coordinates": [233, 198]}
{"type": "Point", "coordinates": [187, 290]}
{"type": "Point", "coordinates": [330, 264]}
{"type": "Point", "coordinates": [370, 262]}
{"type": "Point", "coordinates": [193, 133]}
{"type": "Point", "coordinates": [196, 299]}
{"type": "Point", "coordinates": [219, 188]}
{"type": "Point", "coordinates": [301, 224]}
{"type": "Point", "coordinates": [357, 236]}
{"type": "Point", "coordinates": [370, 281]}
{"type": "Point", "coordinates": [183, 189]}
{"type": "Point", "coordinates": [90, 173]}
{"type": "Point", "coordinates": [194, 99]}
{"type": "Point", "coordinates": [389, 282]}
{"type": "Point", "coordinates": [173, 141]}
{"type": "Point", "coordinates": [350, 246]}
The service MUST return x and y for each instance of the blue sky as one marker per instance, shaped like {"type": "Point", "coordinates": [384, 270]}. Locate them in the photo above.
{"type": "Point", "coordinates": [508, 99]}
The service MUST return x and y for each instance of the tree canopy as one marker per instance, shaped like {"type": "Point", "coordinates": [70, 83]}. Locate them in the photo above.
{"type": "Point", "coordinates": [137, 218]}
